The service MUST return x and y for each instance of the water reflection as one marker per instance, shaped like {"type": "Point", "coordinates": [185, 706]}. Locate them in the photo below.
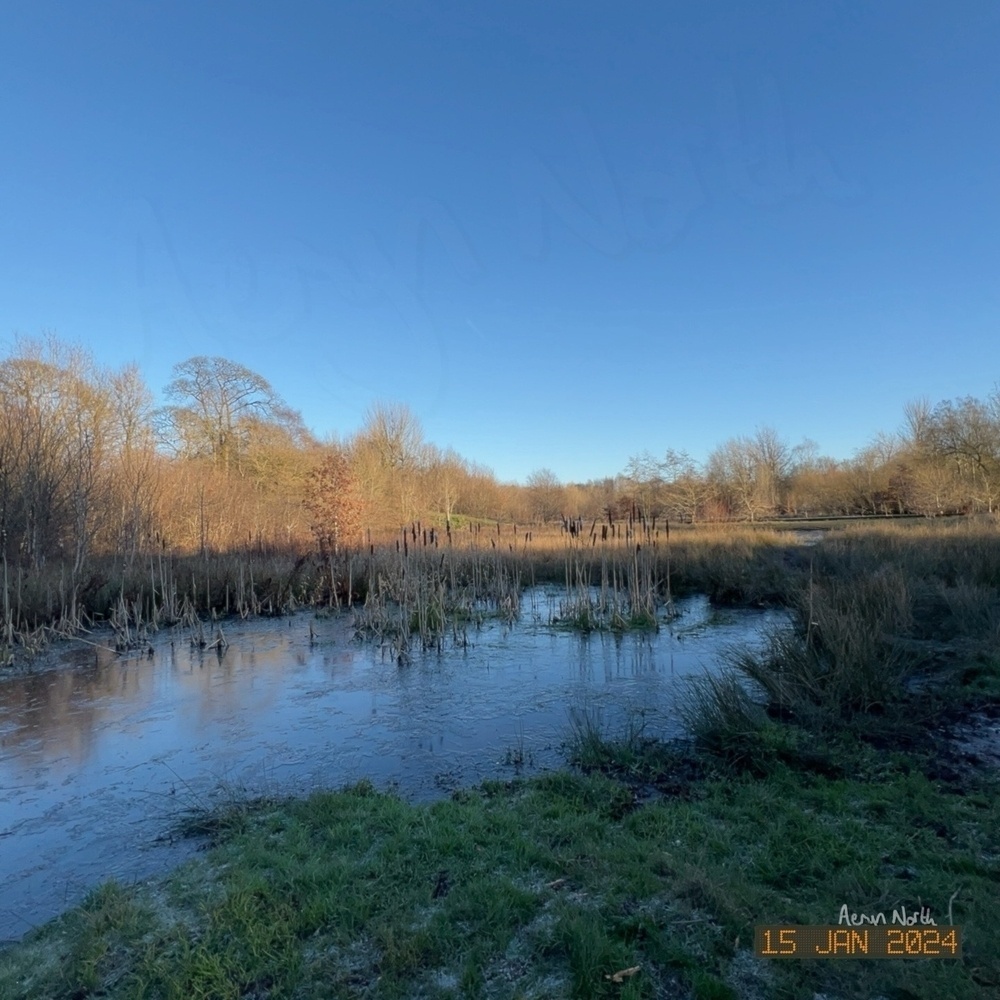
{"type": "Point", "coordinates": [97, 754]}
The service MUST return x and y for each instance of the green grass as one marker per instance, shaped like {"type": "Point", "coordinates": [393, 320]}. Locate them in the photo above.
{"type": "Point", "coordinates": [546, 888]}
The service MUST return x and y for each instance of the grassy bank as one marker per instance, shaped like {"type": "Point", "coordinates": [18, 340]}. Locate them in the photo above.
{"type": "Point", "coordinates": [563, 886]}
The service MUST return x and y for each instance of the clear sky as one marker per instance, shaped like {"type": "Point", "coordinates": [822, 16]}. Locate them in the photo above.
{"type": "Point", "coordinates": [562, 233]}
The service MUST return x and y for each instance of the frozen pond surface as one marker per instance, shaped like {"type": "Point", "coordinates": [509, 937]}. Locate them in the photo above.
{"type": "Point", "coordinates": [99, 755]}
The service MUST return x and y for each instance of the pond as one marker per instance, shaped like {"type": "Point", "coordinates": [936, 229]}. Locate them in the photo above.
{"type": "Point", "coordinates": [102, 752]}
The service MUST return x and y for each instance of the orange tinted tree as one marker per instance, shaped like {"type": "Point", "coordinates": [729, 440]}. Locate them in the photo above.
{"type": "Point", "coordinates": [334, 502]}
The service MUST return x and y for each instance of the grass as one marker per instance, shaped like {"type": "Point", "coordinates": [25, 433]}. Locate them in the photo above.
{"type": "Point", "coordinates": [889, 621]}
{"type": "Point", "coordinates": [546, 888]}
{"type": "Point", "coordinates": [795, 824]}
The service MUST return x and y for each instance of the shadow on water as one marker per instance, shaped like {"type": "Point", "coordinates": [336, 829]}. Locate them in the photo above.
{"type": "Point", "coordinates": [101, 753]}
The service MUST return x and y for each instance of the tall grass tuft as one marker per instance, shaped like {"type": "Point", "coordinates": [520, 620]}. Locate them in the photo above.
{"type": "Point", "coordinates": [846, 653]}
{"type": "Point", "coordinates": [723, 720]}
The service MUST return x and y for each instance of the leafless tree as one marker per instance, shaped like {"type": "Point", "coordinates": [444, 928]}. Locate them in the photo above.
{"type": "Point", "coordinates": [546, 494]}
{"type": "Point", "coordinates": [967, 432]}
{"type": "Point", "coordinates": [218, 406]}
{"type": "Point", "coordinates": [388, 459]}
{"type": "Point", "coordinates": [750, 473]}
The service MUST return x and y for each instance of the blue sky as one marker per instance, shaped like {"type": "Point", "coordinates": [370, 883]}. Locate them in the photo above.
{"type": "Point", "coordinates": [563, 234]}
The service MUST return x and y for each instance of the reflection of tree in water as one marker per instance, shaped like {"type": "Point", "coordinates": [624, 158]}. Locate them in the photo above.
{"type": "Point", "coordinates": [60, 713]}
{"type": "Point", "coordinates": [57, 713]}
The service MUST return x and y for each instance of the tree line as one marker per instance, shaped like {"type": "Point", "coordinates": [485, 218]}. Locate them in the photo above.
{"type": "Point", "coordinates": [90, 467]}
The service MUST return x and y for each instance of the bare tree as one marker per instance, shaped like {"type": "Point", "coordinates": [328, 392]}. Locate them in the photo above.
{"type": "Point", "coordinates": [55, 433]}
{"type": "Point", "coordinates": [136, 470]}
{"type": "Point", "coordinates": [967, 432]}
{"type": "Point", "coordinates": [485, 497]}
{"type": "Point", "coordinates": [546, 494]}
{"type": "Point", "coordinates": [686, 488]}
{"type": "Point", "coordinates": [387, 456]}
{"type": "Point", "coordinates": [750, 474]}
{"type": "Point", "coordinates": [395, 433]}
{"type": "Point", "coordinates": [919, 421]}
{"type": "Point", "coordinates": [219, 403]}
{"type": "Point", "coordinates": [774, 463]}
{"type": "Point", "coordinates": [870, 472]}
{"type": "Point", "coordinates": [447, 479]}
{"type": "Point", "coordinates": [644, 476]}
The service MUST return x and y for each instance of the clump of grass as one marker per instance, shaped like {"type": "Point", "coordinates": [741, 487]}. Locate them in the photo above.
{"type": "Point", "coordinates": [519, 755]}
{"type": "Point", "coordinates": [425, 595]}
{"type": "Point", "coordinates": [590, 747]}
{"type": "Point", "coordinates": [222, 821]}
{"type": "Point", "coordinates": [584, 616]}
{"type": "Point", "coordinates": [627, 597]}
{"type": "Point", "coordinates": [730, 727]}
{"type": "Point", "coordinates": [631, 754]}
{"type": "Point", "coordinates": [973, 615]}
{"type": "Point", "coordinates": [723, 719]}
{"type": "Point", "coordinates": [846, 655]}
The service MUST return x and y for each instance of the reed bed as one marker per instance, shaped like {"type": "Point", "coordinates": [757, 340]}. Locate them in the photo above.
{"type": "Point", "coordinates": [428, 595]}
{"type": "Point", "coordinates": [133, 602]}
{"type": "Point", "coordinates": [630, 594]}
{"type": "Point", "coordinates": [431, 585]}
{"type": "Point", "coordinates": [425, 583]}
{"type": "Point", "coordinates": [731, 563]}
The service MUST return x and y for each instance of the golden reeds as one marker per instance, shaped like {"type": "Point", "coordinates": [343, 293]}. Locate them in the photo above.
{"type": "Point", "coordinates": [435, 586]}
